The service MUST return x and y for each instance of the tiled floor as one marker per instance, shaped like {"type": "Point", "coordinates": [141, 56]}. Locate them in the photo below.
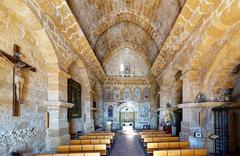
{"type": "Point", "coordinates": [127, 145]}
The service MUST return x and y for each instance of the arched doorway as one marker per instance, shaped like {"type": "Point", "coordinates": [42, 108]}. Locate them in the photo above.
{"type": "Point", "coordinates": [127, 116]}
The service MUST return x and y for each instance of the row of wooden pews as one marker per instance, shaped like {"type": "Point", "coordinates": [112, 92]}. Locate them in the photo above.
{"type": "Point", "coordinates": [92, 144]}
{"type": "Point", "coordinates": [158, 143]}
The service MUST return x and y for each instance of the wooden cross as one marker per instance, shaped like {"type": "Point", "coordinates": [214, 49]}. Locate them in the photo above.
{"type": "Point", "coordinates": [18, 64]}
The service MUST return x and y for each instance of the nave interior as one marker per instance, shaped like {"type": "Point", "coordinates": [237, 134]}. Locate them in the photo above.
{"type": "Point", "coordinates": [128, 77]}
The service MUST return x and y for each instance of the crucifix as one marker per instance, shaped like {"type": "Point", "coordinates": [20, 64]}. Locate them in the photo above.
{"type": "Point", "coordinates": [18, 81]}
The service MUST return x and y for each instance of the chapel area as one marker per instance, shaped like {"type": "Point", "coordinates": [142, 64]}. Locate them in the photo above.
{"type": "Point", "coordinates": [119, 77]}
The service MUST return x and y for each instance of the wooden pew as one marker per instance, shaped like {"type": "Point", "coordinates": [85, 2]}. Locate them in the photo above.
{"type": "Point", "coordinates": [70, 154]}
{"type": "Point", "coordinates": [92, 142]}
{"type": "Point", "coordinates": [102, 133]}
{"type": "Point", "coordinates": [160, 139]}
{"type": "Point", "coordinates": [182, 152]}
{"type": "Point", "coordinates": [166, 145]}
{"type": "Point", "coordinates": [101, 148]}
{"type": "Point", "coordinates": [149, 130]}
{"type": "Point", "coordinates": [152, 132]}
{"type": "Point", "coordinates": [155, 135]}
{"type": "Point", "coordinates": [96, 137]}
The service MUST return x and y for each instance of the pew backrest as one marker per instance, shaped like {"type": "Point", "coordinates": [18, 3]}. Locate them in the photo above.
{"type": "Point", "coordinates": [86, 137]}
{"type": "Point", "coordinates": [151, 132]}
{"type": "Point", "coordinates": [182, 152]}
{"type": "Point", "coordinates": [161, 139]}
{"type": "Point", "coordinates": [168, 145]}
{"type": "Point", "coordinates": [91, 141]}
{"type": "Point", "coordinates": [81, 148]}
{"type": "Point", "coordinates": [155, 135]}
{"type": "Point", "coordinates": [71, 154]}
{"type": "Point", "coordinates": [99, 134]}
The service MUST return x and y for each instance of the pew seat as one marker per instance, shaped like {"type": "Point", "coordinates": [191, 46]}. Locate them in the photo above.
{"type": "Point", "coordinates": [182, 152]}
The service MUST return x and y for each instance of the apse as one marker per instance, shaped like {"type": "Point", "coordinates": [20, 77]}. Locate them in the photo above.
{"type": "Point", "coordinates": [126, 63]}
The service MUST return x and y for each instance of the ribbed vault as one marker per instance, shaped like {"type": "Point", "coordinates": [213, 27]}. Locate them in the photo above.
{"type": "Point", "coordinates": [110, 24]}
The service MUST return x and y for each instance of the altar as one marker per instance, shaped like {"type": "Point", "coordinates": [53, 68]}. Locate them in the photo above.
{"type": "Point", "coordinates": [127, 126]}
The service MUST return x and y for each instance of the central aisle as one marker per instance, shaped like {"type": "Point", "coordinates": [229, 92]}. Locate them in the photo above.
{"type": "Point", "coordinates": [127, 145]}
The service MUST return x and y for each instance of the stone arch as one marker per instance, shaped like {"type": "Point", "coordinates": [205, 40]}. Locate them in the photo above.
{"type": "Point", "coordinates": [121, 45]}
{"type": "Point", "coordinates": [130, 110]}
{"type": "Point", "coordinates": [79, 73]}
{"type": "Point", "coordinates": [219, 74]}
{"type": "Point", "coordinates": [119, 16]}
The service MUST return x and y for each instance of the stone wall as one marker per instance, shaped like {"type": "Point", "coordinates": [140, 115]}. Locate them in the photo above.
{"type": "Point", "coordinates": [25, 133]}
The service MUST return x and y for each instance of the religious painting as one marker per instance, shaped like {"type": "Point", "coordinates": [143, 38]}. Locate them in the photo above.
{"type": "Point", "coordinates": [137, 94]}
{"type": "Point", "coordinates": [144, 111]}
{"type": "Point", "coordinates": [74, 97]}
{"type": "Point", "coordinates": [110, 111]}
{"type": "Point", "coordinates": [127, 94]}
{"type": "Point", "coordinates": [146, 94]}
{"type": "Point", "coordinates": [116, 94]}
{"type": "Point", "coordinates": [107, 93]}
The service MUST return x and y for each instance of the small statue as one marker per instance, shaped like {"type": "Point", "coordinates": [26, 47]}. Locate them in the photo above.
{"type": "Point", "coordinates": [169, 116]}
{"type": "Point", "coordinates": [168, 105]}
{"type": "Point", "coordinates": [199, 98]}
{"type": "Point", "coordinates": [226, 94]}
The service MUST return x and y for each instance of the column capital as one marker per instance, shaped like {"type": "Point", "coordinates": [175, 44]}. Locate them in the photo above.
{"type": "Point", "coordinates": [58, 104]}
{"type": "Point", "coordinates": [188, 72]}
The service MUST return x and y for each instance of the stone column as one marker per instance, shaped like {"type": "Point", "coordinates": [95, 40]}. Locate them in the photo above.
{"type": "Point", "coordinates": [191, 85]}
{"type": "Point", "coordinates": [57, 107]}
{"type": "Point", "coordinates": [87, 113]}
{"type": "Point", "coordinates": [58, 131]}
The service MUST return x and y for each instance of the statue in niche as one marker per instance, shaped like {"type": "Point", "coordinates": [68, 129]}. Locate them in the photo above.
{"type": "Point", "coordinates": [146, 94]}
{"type": "Point", "coordinates": [226, 94]}
{"type": "Point", "coordinates": [200, 98]}
{"type": "Point", "coordinates": [110, 111]}
{"type": "Point", "coordinates": [169, 116]}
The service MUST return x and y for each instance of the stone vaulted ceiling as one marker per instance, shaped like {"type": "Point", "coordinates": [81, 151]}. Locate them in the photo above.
{"type": "Point", "coordinates": [113, 25]}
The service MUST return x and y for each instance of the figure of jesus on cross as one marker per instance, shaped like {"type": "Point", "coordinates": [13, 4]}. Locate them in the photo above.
{"type": "Point", "coordinates": [18, 80]}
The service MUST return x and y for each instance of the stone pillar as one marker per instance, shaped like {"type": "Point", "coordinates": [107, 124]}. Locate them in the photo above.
{"type": "Point", "coordinates": [190, 124]}
{"type": "Point", "coordinates": [58, 131]}
{"type": "Point", "coordinates": [87, 113]}
{"type": "Point", "coordinates": [57, 107]}
{"type": "Point", "coordinates": [191, 85]}
{"type": "Point", "coordinates": [100, 111]}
